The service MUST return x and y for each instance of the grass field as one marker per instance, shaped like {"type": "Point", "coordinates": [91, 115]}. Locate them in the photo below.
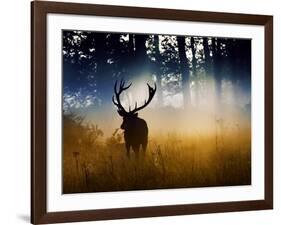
{"type": "Point", "coordinates": [93, 163]}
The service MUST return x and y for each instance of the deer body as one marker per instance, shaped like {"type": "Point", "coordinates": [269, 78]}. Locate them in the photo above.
{"type": "Point", "coordinates": [135, 134]}
{"type": "Point", "coordinates": [135, 128]}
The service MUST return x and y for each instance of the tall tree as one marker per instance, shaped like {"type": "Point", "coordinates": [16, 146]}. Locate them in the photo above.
{"type": "Point", "coordinates": [184, 68]}
{"type": "Point", "coordinates": [194, 70]}
{"type": "Point", "coordinates": [239, 64]}
{"type": "Point", "coordinates": [140, 48]}
{"type": "Point", "coordinates": [157, 69]}
{"type": "Point", "coordinates": [131, 47]}
{"type": "Point", "coordinates": [102, 75]}
{"type": "Point", "coordinates": [207, 56]}
{"type": "Point", "coordinates": [217, 66]}
{"type": "Point", "coordinates": [141, 62]}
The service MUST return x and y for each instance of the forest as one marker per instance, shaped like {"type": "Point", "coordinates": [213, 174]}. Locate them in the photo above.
{"type": "Point", "coordinates": [199, 120]}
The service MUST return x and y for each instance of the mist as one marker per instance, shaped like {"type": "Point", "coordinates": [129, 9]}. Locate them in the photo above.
{"type": "Point", "coordinates": [199, 119]}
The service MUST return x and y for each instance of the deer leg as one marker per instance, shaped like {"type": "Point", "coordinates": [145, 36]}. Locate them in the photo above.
{"type": "Point", "coordinates": [136, 150]}
{"type": "Point", "coordinates": [144, 146]}
{"type": "Point", "coordinates": [128, 149]}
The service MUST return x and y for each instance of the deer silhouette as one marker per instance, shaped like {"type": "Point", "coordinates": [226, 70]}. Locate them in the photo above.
{"type": "Point", "coordinates": [135, 128]}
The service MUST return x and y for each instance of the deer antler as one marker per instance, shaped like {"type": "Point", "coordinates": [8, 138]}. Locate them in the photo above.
{"type": "Point", "coordinates": [122, 88]}
{"type": "Point", "coordinates": [121, 110]}
{"type": "Point", "coordinates": [151, 92]}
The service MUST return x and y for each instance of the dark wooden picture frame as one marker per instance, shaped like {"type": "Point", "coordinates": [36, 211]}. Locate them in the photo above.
{"type": "Point", "coordinates": [39, 11]}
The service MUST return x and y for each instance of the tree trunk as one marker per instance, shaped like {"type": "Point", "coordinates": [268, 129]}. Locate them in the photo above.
{"type": "Point", "coordinates": [217, 64]}
{"type": "Point", "coordinates": [194, 70]}
{"type": "Point", "coordinates": [206, 55]}
{"type": "Point", "coordinates": [184, 68]}
{"type": "Point", "coordinates": [131, 49]}
{"type": "Point", "coordinates": [140, 48]}
{"type": "Point", "coordinates": [158, 71]}
{"type": "Point", "coordinates": [102, 76]}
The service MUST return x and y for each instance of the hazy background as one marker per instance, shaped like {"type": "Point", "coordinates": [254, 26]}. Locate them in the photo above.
{"type": "Point", "coordinates": [199, 79]}
{"type": "Point", "coordinates": [199, 120]}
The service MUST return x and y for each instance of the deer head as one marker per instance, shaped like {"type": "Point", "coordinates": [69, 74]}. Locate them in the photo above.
{"type": "Point", "coordinates": [131, 114]}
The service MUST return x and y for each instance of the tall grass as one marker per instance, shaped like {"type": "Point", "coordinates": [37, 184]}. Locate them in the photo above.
{"type": "Point", "coordinates": [92, 163]}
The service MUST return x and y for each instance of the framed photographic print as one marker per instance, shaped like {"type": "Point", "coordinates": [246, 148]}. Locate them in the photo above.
{"type": "Point", "coordinates": [142, 112]}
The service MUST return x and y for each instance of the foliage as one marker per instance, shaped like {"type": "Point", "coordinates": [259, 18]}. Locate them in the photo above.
{"type": "Point", "coordinates": [78, 136]}
{"type": "Point", "coordinates": [93, 60]}
{"type": "Point", "coordinates": [221, 158]}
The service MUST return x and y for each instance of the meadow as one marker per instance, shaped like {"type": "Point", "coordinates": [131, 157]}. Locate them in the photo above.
{"type": "Point", "coordinates": [94, 163]}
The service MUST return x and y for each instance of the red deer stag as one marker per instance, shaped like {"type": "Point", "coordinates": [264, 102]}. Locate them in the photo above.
{"type": "Point", "coordinates": [135, 128]}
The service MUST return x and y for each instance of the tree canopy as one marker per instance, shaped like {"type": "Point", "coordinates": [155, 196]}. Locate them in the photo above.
{"type": "Point", "coordinates": [182, 66]}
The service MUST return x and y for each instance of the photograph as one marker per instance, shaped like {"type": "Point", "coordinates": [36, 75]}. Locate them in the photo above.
{"type": "Point", "coordinates": [143, 112]}
{"type": "Point", "coordinates": [154, 111]}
